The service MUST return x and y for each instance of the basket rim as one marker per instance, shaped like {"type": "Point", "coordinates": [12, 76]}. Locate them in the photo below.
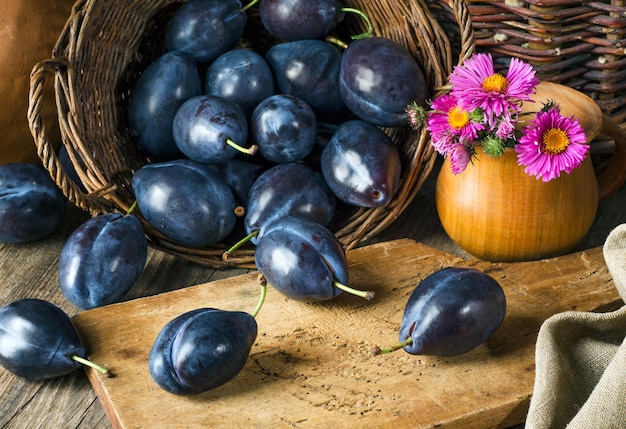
{"type": "Point", "coordinates": [102, 195]}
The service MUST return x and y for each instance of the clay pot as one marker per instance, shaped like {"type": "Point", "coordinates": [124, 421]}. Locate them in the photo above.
{"type": "Point", "coordinates": [30, 30]}
{"type": "Point", "coordinates": [496, 212]}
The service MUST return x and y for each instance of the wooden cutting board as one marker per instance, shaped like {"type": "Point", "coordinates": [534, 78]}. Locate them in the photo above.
{"type": "Point", "coordinates": [311, 365]}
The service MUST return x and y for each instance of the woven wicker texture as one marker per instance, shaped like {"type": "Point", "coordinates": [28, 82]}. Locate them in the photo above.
{"type": "Point", "coordinates": [575, 43]}
{"type": "Point", "coordinates": [105, 46]}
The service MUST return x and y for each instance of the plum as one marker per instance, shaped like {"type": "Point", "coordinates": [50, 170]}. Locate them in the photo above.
{"type": "Point", "coordinates": [201, 349]}
{"type": "Point", "coordinates": [451, 312]}
{"type": "Point", "coordinates": [290, 189]}
{"type": "Point", "coordinates": [240, 175]}
{"type": "Point", "coordinates": [205, 29]}
{"type": "Point", "coordinates": [31, 205]}
{"type": "Point", "coordinates": [300, 19]}
{"type": "Point", "coordinates": [309, 69]}
{"type": "Point", "coordinates": [241, 76]}
{"type": "Point", "coordinates": [303, 260]}
{"type": "Point", "coordinates": [186, 200]}
{"type": "Point", "coordinates": [69, 168]}
{"type": "Point", "coordinates": [38, 340]}
{"type": "Point", "coordinates": [284, 128]}
{"type": "Point", "coordinates": [211, 129]}
{"type": "Point", "coordinates": [102, 259]}
{"type": "Point", "coordinates": [378, 79]}
{"type": "Point", "coordinates": [361, 164]}
{"type": "Point", "coordinates": [161, 89]}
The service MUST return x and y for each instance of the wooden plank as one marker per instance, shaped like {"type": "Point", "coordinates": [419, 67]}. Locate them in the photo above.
{"type": "Point", "coordinates": [311, 364]}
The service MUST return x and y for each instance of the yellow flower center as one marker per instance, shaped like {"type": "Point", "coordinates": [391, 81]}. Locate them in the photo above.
{"type": "Point", "coordinates": [457, 117]}
{"type": "Point", "coordinates": [554, 141]}
{"type": "Point", "coordinates": [495, 83]}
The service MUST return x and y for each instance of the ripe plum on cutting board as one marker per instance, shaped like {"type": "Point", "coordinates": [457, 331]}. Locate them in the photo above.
{"type": "Point", "coordinates": [311, 363]}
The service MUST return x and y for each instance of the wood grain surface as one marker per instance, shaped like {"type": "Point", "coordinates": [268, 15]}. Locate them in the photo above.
{"type": "Point", "coordinates": [312, 363]}
{"type": "Point", "coordinates": [30, 270]}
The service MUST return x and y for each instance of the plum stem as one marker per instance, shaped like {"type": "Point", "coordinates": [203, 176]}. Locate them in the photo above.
{"type": "Point", "coordinates": [378, 351]}
{"type": "Point", "coordinates": [370, 29]}
{"type": "Point", "coordinates": [249, 5]}
{"type": "Point", "coordinates": [240, 243]}
{"type": "Point", "coordinates": [334, 40]}
{"type": "Point", "coordinates": [247, 150]}
{"type": "Point", "coordinates": [367, 294]}
{"type": "Point", "coordinates": [132, 208]}
{"type": "Point", "coordinates": [263, 284]}
{"type": "Point", "coordinates": [91, 364]}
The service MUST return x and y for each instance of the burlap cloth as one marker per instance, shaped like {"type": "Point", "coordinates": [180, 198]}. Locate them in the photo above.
{"type": "Point", "coordinates": [580, 380]}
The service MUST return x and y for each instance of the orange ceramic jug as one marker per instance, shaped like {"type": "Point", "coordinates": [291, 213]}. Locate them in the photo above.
{"type": "Point", "coordinates": [496, 212]}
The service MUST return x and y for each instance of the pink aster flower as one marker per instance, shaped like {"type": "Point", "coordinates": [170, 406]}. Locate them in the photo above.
{"type": "Point", "coordinates": [506, 127]}
{"type": "Point", "coordinates": [460, 156]}
{"type": "Point", "coordinates": [448, 123]}
{"type": "Point", "coordinates": [550, 144]}
{"type": "Point", "coordinates": [477, 85]}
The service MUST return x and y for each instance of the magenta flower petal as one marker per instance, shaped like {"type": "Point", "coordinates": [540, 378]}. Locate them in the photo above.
{"type": "Point", "coordinates": [477, 85]}
{"type": "Point", "coordinates": [521, 80]}
{"type": "Point", "coordinates": [506, 127]}
{"type": "Point", "coordinates": [447, 122]}
{"type": "Point", "coordinates": [460, 157]}
{"type": "Point", "coordinates": [551, 144]}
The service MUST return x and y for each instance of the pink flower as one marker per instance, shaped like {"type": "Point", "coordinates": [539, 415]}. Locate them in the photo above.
{"type": "Point", "coordinates": [550, 144]}
{"type": "Point", "coordinates": [448, 123]}
{"type": "Point", "coordinates": [477, 85]}
{"type": "Point", "coordinates": [506, 127]}
{"type": "Point", "coordinates": [460, 156]}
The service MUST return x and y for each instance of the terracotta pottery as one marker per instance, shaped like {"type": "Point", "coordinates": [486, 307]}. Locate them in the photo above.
{"type": "Point", "coordinates": [496, 212]}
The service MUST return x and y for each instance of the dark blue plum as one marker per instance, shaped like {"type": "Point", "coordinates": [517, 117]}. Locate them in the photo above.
{"type": "Point", "coordinates": [38, 340]}
{"type": "Point", "coordinates": [31, 205]}
{"type": "Point", "coordinates": [162, 88]}
{"type": "Point", "coordinates": [290, 189]}
{"type": "Point", "coordinates": [69, 168]}
{"type": "Point", "coordinates": [300, 19]}
{"type": "Point", "coordinates": [361, 165]}
{"type": "Point", "coordinates": [284, 127]}
{"type": "Point", "coordinates": [206, 127]}
{"type": "Point", "coordinates": [205, 29]}
{"type": "Point", "coordinates": [187, 201]}
{"type": "Point", "coordinates": [301, 259]}
{"type": "Point", "coordinates": [201, 350]}
{"type": "Point", "coordinates": [241, 76]}
{"type": "Point", "coordinates": [309, 70]}
{"type": "Point", "coordinates": [102, 259]}
{"type": "Point", "coordinates": [452, 311]}
{"type": "Point", "coordinates": [240, 175]}
{"type": "Point", "coordinates": [378, 79]}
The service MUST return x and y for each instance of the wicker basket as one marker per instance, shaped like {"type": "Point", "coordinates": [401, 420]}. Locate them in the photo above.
{"type": "Point", "coordinates": [575, 43]}
{"type": "Point", "coordinates": [105, 46]}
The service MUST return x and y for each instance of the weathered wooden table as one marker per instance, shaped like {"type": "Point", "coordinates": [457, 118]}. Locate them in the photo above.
{"type": "Point", "coordinates": [30, 270]}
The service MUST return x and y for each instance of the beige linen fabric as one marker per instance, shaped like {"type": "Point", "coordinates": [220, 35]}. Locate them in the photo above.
{"type": "Point", "coordinates": [580, 380]}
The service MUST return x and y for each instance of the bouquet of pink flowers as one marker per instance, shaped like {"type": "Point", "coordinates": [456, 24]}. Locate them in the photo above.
{"type": "Point", "coordinates": [483, 108]}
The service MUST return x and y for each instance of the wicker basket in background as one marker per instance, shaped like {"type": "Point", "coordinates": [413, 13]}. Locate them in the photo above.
{"type": "Point", "coordinates": [105, 46]}
{"type": "Point", "coordinates": [581, 44]}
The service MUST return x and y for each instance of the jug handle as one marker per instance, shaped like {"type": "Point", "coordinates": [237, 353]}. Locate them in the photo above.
{"type": "Point", "coordinates": [614, 176]}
